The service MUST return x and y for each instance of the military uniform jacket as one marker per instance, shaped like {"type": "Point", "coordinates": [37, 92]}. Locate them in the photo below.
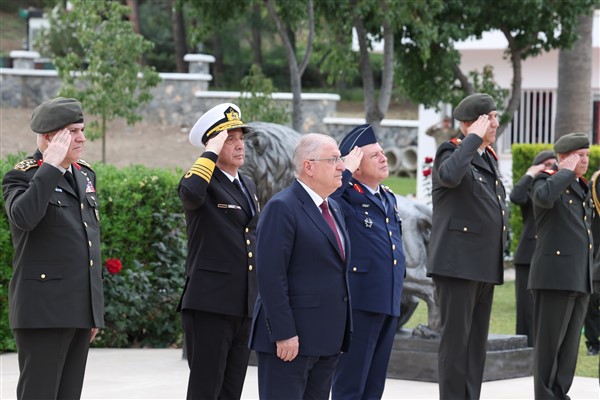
{"type": "Point", "coordinates": [57, 267]}
{"type": "Point", "coordinates": [562, 259]}
{"type": "Point", "coordinates": [595, 190]}
{"type": "Point", "coordinates": [377, 263]}
{"type": "Point", "coordinates": [470, 218]}
{"type": "Point", "coordinates": [521, 195]}
{"type": "Point", "coordinates": [220, 266]}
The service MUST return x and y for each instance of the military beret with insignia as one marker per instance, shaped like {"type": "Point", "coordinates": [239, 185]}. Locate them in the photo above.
{"type": "Point", "coordinates": [474, 105]}
{"type": "Point", "coordinates": [543, 156]}
{"type": "Point", "coordinates": [55, 114]}
{"type": "Point", "coordinates": [571, 142]}
{"type": "Point", "coordinates": [219, 118]}
{"type": "Point", "coordinates": [360, 136]}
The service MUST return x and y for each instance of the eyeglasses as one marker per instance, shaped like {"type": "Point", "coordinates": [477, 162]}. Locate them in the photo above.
{"type": "Point", "coordinates": [331, 161]}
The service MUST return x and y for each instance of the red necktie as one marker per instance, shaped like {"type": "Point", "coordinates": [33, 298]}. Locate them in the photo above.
{"type": "Point", "coordinates": [331, 223]}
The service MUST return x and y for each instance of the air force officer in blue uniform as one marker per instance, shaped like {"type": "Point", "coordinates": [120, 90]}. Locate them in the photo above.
{"type": "Point", "coordinates": [377, 266]}
{"type": "Point", "coordinates": [302, 317]}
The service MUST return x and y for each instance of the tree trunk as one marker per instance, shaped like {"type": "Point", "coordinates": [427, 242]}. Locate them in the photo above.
{"type": "Point", "coordinates": [218, 65]}
{"type": "Point", "coordinates": [179, 36]}
{"type": "Point", "coordinates": [256, 43]}
{"type": "Point", "coordinates": [515, 95]}
{"type": "Point", "coordinates": [134, 17]}
{"type": "Point", "coordinates": [387, 78]}
{"type": "Point", "coordinates": [574, 96]}
{"type": "Point", "coordinates": [296, 70]}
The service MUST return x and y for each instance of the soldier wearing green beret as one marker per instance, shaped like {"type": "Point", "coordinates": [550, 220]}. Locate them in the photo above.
{"type": "Point", "coordinates": [561, 267]}
{"type": "Point", "coordinates": [521, 195]}
{"type": "Point", "coordinates": [55, 296]}
{"type": "Point", "coordinates": [468, 239]}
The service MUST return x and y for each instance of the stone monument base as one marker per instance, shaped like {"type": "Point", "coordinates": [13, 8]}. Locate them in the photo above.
{"type": "Point", "coordinates": [414, 358]}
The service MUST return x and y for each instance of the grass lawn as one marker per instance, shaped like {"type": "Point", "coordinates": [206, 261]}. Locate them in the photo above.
{"type": "Point", "coordinates": [503, 321]}
{"type": "Point", "coordinates": [401, 185]}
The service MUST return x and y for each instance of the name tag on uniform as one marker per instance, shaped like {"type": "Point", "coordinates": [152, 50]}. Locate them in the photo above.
{"type": "Point", "coordinates": [234, 206]}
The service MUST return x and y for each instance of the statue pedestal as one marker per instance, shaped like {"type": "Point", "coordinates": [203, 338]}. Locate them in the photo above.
{"type": "Point", "coordinates": [415, 358]}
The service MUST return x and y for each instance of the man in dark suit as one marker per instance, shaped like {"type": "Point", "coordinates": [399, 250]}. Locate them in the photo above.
{"type": "Point", "coordinates": [55, 298]}
{"type": "Point", "coordinates": [561, 267]}
{"type": "Point", "coordinates": [302, 318]}
{"type": "Point", "coordinates": [221, 210]}
{"type": "Point", "coordinates": [469, 233]}
{"type": "Point", "coordinates": [377, 266]}
{"type": "Point", "coordinates": [521, 195]}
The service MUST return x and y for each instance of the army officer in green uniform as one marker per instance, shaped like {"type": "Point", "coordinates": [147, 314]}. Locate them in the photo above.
{"type": "Point", "coordinates": [55, 296]}
{"type": "Point", "coordinates": [561, 267]}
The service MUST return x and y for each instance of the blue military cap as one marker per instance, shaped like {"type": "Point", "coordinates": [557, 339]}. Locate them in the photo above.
{"type": "Point", "coordinates": [360, 136]}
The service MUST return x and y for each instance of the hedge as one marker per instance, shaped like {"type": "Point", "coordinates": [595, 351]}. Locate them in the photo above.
{"type": "Point", "coordinates": [143, 227]}
{"type": "Point", "coordinates": [522, 156]}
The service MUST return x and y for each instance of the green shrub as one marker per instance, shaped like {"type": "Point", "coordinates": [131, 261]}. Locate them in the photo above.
{"type": "Point", "coordinates": [143, 226]}
{"type": "Point", "coordinates": [522, 156]}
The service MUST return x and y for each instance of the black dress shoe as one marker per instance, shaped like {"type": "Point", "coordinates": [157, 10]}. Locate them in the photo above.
{"type": "Point", "coordinates": [592, 351]}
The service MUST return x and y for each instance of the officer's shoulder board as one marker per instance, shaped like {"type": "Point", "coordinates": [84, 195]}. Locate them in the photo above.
{"type": "Point", "coordinates": [455, 141]}
{"type": "Point", "coordinates": [387, 189]}
{"type": "Point", "coordinates": [84, 163]}
{"type": "Point", "coordinates": [26, 164]}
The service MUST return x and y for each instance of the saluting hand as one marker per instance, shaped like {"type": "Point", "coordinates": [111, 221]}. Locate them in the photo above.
{"type": "Point", "coordinates": [287, 349]}
{"type": "Point", "coordinates": [57, 148]}
{"type": "Point", "coordinates": [535, 169]}
{"type": "Point", "coordinates": [570, 162]}
{"type": "Point", "coordinates": [480, 126]}
{"type": "Point", "coordinates": [352, 160]}
{"type": "Point", "coordinates": [215, 143]}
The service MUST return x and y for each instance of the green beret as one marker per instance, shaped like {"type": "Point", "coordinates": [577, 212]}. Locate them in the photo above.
{"type": "Point", "coordinates": [543, 156]}
{"type": "Point", "coordinates": [55, 114]}
{"type": "Point", "coordinates": [571, 142]}
{"type": "Point", "coordinates": [474, 105]}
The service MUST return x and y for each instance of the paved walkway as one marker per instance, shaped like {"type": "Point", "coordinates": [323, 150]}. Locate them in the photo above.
{"type": "Point", "coordinates": [162, 374]}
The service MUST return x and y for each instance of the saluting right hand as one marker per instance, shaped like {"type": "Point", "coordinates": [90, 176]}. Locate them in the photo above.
{"type": "Point", "coordinates": [352, 160]}
{"type": "Point", "coordinates": [480, 126]}
{"type": "Point", "coordinates": [215, 143]}
{"type": "Point", "coordinates": [57, 148]}
{"type": "Point", "coordinates": [535, 169]}
{"type": "Point", "coordinates": [570, 162]}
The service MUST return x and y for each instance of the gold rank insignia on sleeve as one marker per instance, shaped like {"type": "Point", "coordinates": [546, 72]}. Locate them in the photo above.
{"type": "Point", "coordinates": [26, 164]}
{"type": "Point", "coordinates": [203, 167]}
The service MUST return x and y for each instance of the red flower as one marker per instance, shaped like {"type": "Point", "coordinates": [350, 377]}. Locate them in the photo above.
{"type": "Point", "coordinates": [427, 172]}
{"type": "Point", "coordinates": [428, 160]}
{"type": "Point", "coordinates": [113, 265]}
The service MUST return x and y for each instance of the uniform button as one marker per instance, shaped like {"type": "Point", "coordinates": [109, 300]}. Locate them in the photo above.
{"type": "Point", "coordinates": [536, 236]}
{"type": "Point", "coordinates": [503, 213]}
{"type": "Point", "coordinates": [583, 204]}
{"type": "Point", "coordinates": [59, 203]}
{"type": "Point", "coordinates": [247, 230]}
{"type": "Point", "coordinates": [496, 182]}
{"type": "Point", "coordinates": [247, 242]}
{"type": "Point", "coordinates": [90, 243]}
{"type": "Point", "coordinates": [395, 262]}
{"type": "Point", "coordinates": [390, 232]}
{"type": "Point", "coordinates": [354, 269]}
{"type": "Point", "coordinates": [91, 263]}
{"type": "Point", "coordinates": [480, 178]}
{"type": "Point", "coordinates": [43, 276]}
{"type": "Point", "coordinates": [504, 228]}
{"type": "Point", "coordinates": [250, 267]}
{"type": "Point", "coordinates": [585, 217]}
{"type": "Point", "coordinates": [558, 252]}
{"type": "Point", "coordinates": [82, 206]}
{"type": "Point", "coordinates": [85, 224]}
{"type": "Point", "coordinates": [387, 220]}
{"type": "Point", "coordinates": [465, 229]}
{"type": "Point", "coordinates": [499, 198]}
{"type": "Point", "coordinates": [393, 247]}
{"type": "Point", "coordinates": [249, 254]}
{"type": "Point", "coordinates": [591, 247]}
{"type": "Point", "coordinates": [570, 201]}
{"type": "Point", "coordinates": [567, 191]}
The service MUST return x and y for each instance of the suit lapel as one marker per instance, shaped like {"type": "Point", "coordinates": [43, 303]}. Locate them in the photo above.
{"type": "Point", "coordinates": [314, 214]}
